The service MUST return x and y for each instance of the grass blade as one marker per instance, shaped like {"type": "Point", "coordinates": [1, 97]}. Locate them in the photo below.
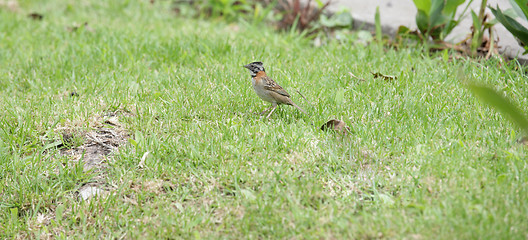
{"type": "Point", "coordinates": [500, 103]}
{"type": "Point", "coordinates": [379, 36]}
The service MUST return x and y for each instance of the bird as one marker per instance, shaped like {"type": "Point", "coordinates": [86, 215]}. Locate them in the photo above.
{"type": "Point", "coordinates": [267, 89]}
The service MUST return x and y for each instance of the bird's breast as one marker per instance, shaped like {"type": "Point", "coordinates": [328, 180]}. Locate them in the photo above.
{"type": "Point", "coordinates": [263, 93]}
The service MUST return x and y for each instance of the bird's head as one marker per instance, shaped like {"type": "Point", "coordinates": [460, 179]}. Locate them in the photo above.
{"type": "Point", "coordinates": [255, 67]}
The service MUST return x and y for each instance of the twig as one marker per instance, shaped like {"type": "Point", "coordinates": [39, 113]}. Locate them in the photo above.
{"type": "Point", "coordinates": [354, 76]}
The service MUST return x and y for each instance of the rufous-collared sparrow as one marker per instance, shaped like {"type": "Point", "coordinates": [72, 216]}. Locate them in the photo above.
{"type": "Point", "coordinates": [267, 89]}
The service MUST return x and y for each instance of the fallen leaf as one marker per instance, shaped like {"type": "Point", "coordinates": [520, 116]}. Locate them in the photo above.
{"type": "Point", "coordinates": [336, 125]}
{"type": "Point", "coordinates": [384, 77]}
{"type": "Point", "coordinates": [36, 16]}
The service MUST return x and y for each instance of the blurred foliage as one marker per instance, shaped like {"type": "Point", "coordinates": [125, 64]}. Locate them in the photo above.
{"type": "Point", "coordinates": [229, 10]}
{"type": "Point", "coordinates": [500, 103]}
{"type": "Point", "coordinates": [341, 19]}
{"type": "Point", "coordinates": [478, 44]}
{"type": "Point", "coordinates": [507, 19]}
{"type": "Point", "coordinates": [300, 16]}
{"type": "Point", "coordinates": [437, 18]}
{"type": "Point", "coordinates": [307, 17]}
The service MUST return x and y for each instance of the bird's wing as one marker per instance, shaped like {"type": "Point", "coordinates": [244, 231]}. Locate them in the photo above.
{"type": "Point", "coordinates": [273, 86]}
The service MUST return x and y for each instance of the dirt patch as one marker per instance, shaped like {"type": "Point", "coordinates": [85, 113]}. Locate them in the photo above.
{"type": "Point", "coordinates": [98, 145]}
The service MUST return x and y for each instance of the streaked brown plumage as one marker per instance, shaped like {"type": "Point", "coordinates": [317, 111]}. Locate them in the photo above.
{"type": "Point", "coordinates": [267, 89]}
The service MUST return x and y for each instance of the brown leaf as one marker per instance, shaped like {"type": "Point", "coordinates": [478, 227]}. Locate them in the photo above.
{"type": "Point", "coordinates": [384, 77]}
{"type": "Point", "coordinates": [336, 125]}
{"type": "Point", "coordinates": [36, 16]}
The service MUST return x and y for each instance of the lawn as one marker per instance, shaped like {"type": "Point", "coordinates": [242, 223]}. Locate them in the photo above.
{"type": "Point", "coordinates": [191, 158]}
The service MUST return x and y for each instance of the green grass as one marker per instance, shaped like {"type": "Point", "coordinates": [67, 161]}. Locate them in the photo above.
{"type": "Point", "coordinates": [425, 159]}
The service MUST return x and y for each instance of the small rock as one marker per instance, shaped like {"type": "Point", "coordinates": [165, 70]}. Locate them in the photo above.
{"type": "Point", "coordinates": [88, 192]}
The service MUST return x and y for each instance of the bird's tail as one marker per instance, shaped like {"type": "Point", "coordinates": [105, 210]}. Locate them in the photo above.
{"type": "Point", "coordinates": [295, 105]}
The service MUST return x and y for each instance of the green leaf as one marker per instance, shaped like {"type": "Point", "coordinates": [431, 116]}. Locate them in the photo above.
{"type": "Point", "coordinates": [422, 5]}
{"type": "Point", "coordinates": [133, 142]}
{"type": "Point", "coordinates": [508, 12]}
{"type": "Point", "coordinates": [435, 13]}
{"type": "Point", "coordinates": [320, 3]}
{"type": "Point", "coordinates": [451, 6]}
{"type": "Point", "coordinates": [403, 30]}
{"type": "Point", "coordinates": [422, 21]}
{"type": "Point", "coordinates": [517, 10]}
{"type": "Point", "coordinates": [449, 27]}
{"type": "Point", "coordinates": [436, 18]}
{"type": "Point", "coordinates": [500, 103]}
{"type": "Point", "coordinates": [440, 25]}
{"type": "Point", "coordinates": [520, 6]}
{"type": "Point", "coordinates": [514, 27]}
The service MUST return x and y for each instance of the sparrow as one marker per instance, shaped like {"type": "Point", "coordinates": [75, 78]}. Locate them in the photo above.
{"type": "Point", "coordinates": [267, 89]}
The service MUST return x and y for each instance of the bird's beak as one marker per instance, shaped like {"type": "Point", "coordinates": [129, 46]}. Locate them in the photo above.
{"type": "Point", "coordinates": [246, 66]}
